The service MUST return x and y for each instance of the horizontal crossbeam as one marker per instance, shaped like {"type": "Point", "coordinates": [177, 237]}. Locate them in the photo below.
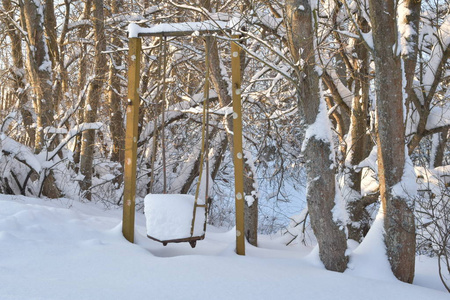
{"type": "Point", "coordinates": [178, 29]}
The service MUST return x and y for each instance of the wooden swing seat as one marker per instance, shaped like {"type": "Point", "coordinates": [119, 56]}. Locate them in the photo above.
{"type": "Point", "coordinates": [191, 240]}
{"type": "Point", "coordinates": [169, 218]}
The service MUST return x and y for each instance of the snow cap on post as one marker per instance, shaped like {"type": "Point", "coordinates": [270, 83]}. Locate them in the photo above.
{"type": "Point", "coordinates": [236, 23]}
{"type": "Point", "coordinates": [133, 30]}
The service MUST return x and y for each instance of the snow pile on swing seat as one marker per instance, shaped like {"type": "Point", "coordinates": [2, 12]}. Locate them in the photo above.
{"type": "Point", "coordinates": [169, 216]}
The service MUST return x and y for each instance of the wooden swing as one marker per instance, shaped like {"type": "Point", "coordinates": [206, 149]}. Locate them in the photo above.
{"type": "Point", "coordinates": [131, 137]}
{"type": "Point", "coordinates": [168, 215]}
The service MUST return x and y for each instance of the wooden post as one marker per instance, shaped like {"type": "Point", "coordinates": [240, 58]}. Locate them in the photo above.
{"type": "Point", "coordinates": [238, 156]}
{"type": "Point", "coordinates": [131, 137]}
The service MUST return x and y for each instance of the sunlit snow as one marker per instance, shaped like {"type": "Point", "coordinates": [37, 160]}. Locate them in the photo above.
{"type": "Point", "coordinates": [62, 249]}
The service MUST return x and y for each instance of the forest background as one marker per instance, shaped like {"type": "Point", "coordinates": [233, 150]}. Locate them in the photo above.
{"type": "Point", "coordinates": [343, 106]}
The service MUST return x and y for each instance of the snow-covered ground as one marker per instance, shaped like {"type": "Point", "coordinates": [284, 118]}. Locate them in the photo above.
{"type": "Point", "coordinates": [61, 249]}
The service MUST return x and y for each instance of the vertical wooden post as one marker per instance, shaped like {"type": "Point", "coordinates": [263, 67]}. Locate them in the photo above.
{"type": "Point", "coordinates": [238, 156]}
{"type": "Point", "coordinates": [131, 137]}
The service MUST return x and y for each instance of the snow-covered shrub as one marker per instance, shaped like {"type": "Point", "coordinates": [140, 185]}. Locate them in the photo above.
{"type": "Point", "coordinates": [433, 218]}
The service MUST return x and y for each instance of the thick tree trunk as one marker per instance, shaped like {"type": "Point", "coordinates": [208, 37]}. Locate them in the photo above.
{"type": "Point", "coordinates": [39, 68]}
{"type": "Point", "coordinates": [18, 75]}
{"type": "Point", "coordinates": [320, 167]}
{"type": "Point", "coordinates": [399, 218]}
{"type": "Point", "coordinates": [93, 99]}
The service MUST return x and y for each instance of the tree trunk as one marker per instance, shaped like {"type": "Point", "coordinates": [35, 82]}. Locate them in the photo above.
{"type": "Point", "coordinates": [223, 91]}
{"type": "Point", "coordinates": [251, 206]}
{"type": "Point", "coordinates": [412, 45]}
{"type": "Point", "coordinates": [81, 80]}
{"type": "Point", "coordinates": [399, 218]}
{"type": "Point", "coordinates": [116, 126]}
{"type": "Point", "coordinates": [358, 145]}
{"type": "Point", "coordinates": [93, 99]}
{"type": "Point", "coordinates": [410, 62]}
{"type": "Point", "coordinates": [53, 47]}
{"type": "Point", "coordinates": [251, 201]}
{"type": "Point", "coordinates": [39, 68]}
{"type": "Point", "coordinates": [18, 75]}
{"type": "Point", "coordinates": [439, 151]}
{"type": "Point", "coordinates": [320, 165]}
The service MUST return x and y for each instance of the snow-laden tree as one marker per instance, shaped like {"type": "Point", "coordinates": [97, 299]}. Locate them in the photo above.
{"type": "Point", "coordinates": [327, 212]}
{"type": "Point", "coordinates": [334, 49]}
{"type": "Point", "coordinates": [93, 98]}
{"type": "Point", "coordinates": [18, 72]}
{"type": "Point", "coordinates": [394, 167]}
{"type": "Point", "coordinates": [39, 68]}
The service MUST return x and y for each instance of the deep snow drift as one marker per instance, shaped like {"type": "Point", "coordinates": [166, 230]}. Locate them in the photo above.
{"type": "Point", "coordinates": [61, 249]}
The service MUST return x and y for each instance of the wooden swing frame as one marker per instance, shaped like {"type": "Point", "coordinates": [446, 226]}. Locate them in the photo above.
{"type": "Point", "coordinates": [131, 136]}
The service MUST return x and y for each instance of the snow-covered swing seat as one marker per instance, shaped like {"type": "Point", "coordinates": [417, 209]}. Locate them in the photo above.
{"type": "Point", "coordinates": [177, 218]}
{"type": "Point", "coordinates": [169, 218]}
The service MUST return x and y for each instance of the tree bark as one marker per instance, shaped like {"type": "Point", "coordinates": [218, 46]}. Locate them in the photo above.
{"type": "Point", "coordinates": [398, 215]}
{"type": "Point", "coordinates": [82, 75]}
{"type": "Point", "coordinates": [320, 167]}
{"type": "Point", "coordinates": [18, 74]}
{"type": "Point", "coordinates": [53, 47]}
{"type": "Point", "coordinates": [359, 142]}
{"type": "Point", "coordinates": [250, 203]}
{"type": "Point", "coordinates": [438, 159]}
{"type": "Point", "coordinates": [223, 91]}
{"type": "Point", "coordinates": [39, 68]}
{"type": "Point", "coordinates": [93, 99]}
{"type": "Point", "coordinates": [116, 126]}
{"type": "Point", "coordinates": [40, 71]}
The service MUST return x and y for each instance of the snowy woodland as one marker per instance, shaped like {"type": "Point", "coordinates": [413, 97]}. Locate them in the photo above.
{"type": "Point", "coordinates": [346, 117]}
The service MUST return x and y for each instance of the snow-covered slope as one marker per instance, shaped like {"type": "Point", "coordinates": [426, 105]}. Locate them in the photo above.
{"type": "Point", "coordinates": [62, 249]}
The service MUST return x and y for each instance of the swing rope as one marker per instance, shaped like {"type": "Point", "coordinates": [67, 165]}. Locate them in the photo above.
{"type": "Point", "coordinates": [163, 118]}
{"type": "Point", "coordinates": [155, 120]}
{"type": "Point", "coordinates": [204, 144]}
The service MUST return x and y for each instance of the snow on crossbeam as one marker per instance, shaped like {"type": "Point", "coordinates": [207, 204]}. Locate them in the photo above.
{"type": "Point", "coordinates": [177, 29]}
{"type": "Point", "coordinates": [169, 217]}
